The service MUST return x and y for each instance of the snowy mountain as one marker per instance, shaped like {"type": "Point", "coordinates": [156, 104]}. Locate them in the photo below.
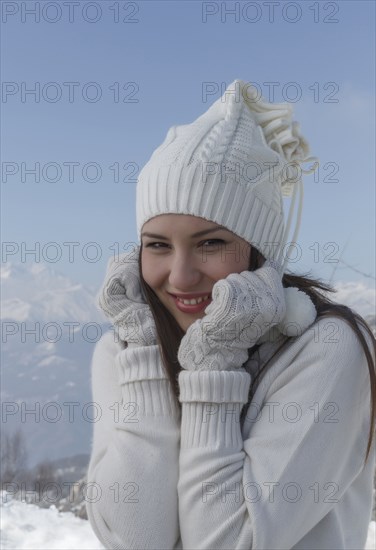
{"type": "Point", "coordinates": [37, 292]}
{"type": "Point", "coordinates": [49, 329]}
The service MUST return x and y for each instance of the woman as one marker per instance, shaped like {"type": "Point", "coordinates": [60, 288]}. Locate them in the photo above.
{"type": "Point", "coordinates": [245, 420]}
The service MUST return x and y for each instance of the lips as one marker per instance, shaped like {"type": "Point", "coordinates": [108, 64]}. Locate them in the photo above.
{"type": "Point", "coordinates": [192, 308]}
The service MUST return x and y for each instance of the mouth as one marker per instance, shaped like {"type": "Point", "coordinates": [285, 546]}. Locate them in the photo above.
{"type": "Point", "coordinates": [192, 305]}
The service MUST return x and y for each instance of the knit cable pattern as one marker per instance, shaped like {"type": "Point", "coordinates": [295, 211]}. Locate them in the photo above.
{"type": "Point", "coordinates": [122, 301]}
{"type": "Point", "coordinates": [244, 306]}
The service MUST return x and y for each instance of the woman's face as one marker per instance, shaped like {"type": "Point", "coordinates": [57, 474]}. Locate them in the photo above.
{"type": "Point", "coordinates": [176, 261]}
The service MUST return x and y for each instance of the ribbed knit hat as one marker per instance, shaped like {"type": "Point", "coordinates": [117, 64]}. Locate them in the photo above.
{"type": "Point", "coordinates": [232, 166]}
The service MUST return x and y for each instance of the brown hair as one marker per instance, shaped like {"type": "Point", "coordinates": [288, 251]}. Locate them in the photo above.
{"type": "Point", "coordinates": [170, 333]}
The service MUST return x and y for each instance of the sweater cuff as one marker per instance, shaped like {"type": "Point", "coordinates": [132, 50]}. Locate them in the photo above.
{"type": "Point", "coordinates": [214, 386]}
{"type": "Point", "coordinates": [145, 386]}
{"type": "Point", "coordinates": [212, 403]}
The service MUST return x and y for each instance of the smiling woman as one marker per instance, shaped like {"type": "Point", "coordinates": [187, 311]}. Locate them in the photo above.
{"type": "Point", "coordinates": [209, 327]}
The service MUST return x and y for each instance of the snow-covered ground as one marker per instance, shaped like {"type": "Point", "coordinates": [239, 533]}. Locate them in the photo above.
{"type": "Point", "coordinates": [28, 526]}
{"type": "Point", "coordinates": [25, 526]}
{"type": "Point", "coordinates": [371, 539]}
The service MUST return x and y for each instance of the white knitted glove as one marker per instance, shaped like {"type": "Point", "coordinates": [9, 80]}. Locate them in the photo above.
{"type": "Point", "coordinates": [244, 306]}
{"type": "Point", "coordinates": [123, 302]}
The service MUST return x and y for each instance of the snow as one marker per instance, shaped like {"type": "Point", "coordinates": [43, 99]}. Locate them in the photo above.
{"type": "Point", "coordinates": [51, 360]}
{"type": "Point", "coordinates": [371, 539]}
{"type": "Point", "coordinates": [26, 526]}
{"type": "Point", "coordinates": [5, 271]}
{"type": "Point", "coordinates": [15, 309]}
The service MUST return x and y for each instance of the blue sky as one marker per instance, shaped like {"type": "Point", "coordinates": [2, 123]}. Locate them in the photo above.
{"type": "Point", "coordinates": [163, 60]}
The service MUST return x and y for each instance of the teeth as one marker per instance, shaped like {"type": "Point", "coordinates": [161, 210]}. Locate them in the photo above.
{"type": "Point", "coordinates": [194, 301]}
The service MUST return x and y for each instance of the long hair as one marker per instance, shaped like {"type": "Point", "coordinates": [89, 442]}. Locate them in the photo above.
{"type": "Point", "coordinates": [170, 333]}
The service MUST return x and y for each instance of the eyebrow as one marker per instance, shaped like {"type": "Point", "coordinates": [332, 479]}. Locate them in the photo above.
{"type": "Point", "coordinates": [198, 234]}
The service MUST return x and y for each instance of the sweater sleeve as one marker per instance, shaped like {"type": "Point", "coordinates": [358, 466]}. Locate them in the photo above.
{"type": "Point", "coordinates": [305, 445]}
{"type": "Point", "coordinates": [131, 496]}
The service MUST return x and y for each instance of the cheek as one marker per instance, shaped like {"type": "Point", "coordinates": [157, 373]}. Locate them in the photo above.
{"type": "Point", "coordinates": [237, 265]}
{"type": "Point", "coordinates": [226, 263]}
{"type": "Point", "coordinates": [153, 270]}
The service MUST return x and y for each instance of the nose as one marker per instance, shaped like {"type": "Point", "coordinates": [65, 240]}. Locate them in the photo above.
{"type": "Point", "coordinates": [184, 273]}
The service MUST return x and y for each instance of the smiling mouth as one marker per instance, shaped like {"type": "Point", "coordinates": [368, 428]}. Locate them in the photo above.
{"type": "Point", "coordinates": [193, 301]}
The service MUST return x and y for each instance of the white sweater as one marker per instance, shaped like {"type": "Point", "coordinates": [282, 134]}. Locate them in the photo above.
{"type": "Point", "coordinates": [291, 477]}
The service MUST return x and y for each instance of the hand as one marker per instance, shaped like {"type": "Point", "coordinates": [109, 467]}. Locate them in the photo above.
{"type": "Point", "coordinates": [244, 306]}
{"type": "Point", "coordinates": [123, 302]}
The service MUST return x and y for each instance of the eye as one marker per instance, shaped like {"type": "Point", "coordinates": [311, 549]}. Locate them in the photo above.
{"type": "Point", "coordinates": [152, 245]}
{"type": "Point", "coordinates": [217, 241]}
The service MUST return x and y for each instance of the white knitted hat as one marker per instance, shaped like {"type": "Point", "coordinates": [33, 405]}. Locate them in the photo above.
{"type": "Point", "coordinates": [232, 166]}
